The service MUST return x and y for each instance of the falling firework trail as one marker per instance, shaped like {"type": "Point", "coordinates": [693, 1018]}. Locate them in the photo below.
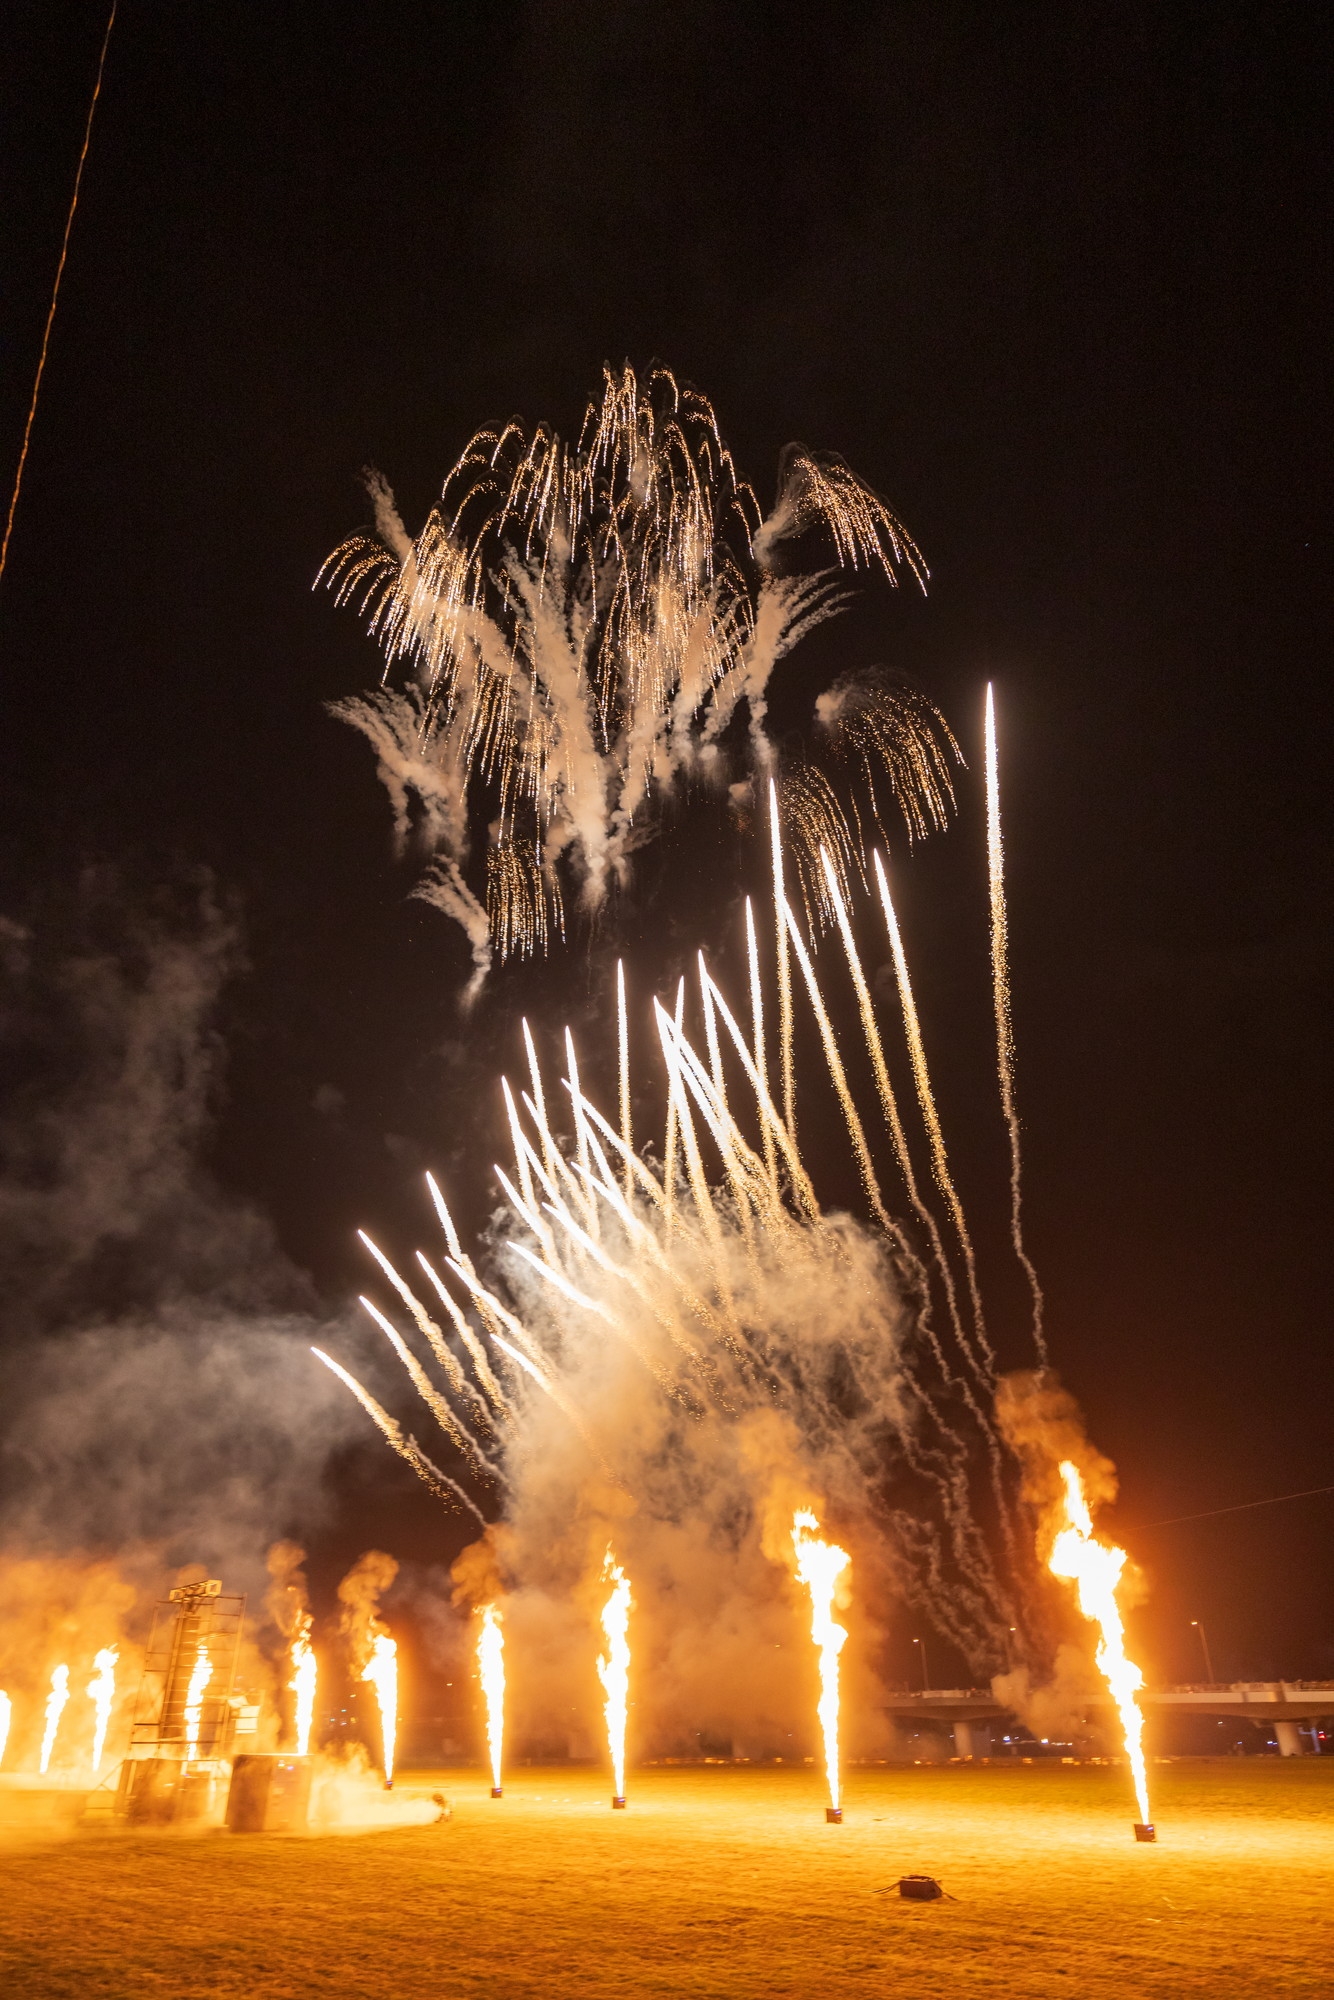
{"type": "Point", "coordinates": [439, 1482]}
{"type": "Point", "coordinates": [889, 1104]}
{"type": "Point", "coordinates": [623, 1068]}
{"type": "Point", "coordinates": [1095, 1568]}
{"type": "Point", "coordinates": [784, 971]}
{"type": "Point", "coordinates": [757, 1038]}
{"type": "Point", "coordinates": [1000, 986]}
{"type": "Point", "coordinates": [614, 1666]}
{"type": "Point", "coordinates": [102, 1692]}
{"type": "Point", "coordinates": [819, 1566]}
{"type": "Point", "coordinates": [6, 1715]}
{"type": "Point", "coordinates": [55, 293]}
{"type": "Point", "coordinates": [55, 1707]}
{"type": "Point", "coordinates": [931, 1119]}
{"type": "Point", "coordinates": [491, 1673]}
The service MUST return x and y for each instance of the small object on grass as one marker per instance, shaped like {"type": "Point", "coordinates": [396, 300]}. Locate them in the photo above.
{"type": "Point", "coordinates": [918, 1889]}
{"type": "Point", "coordinates": [618, 1803]}
{"type": "Point", "coordinates": [439, 1799]}
{"type": "Point", "coordinates": [1144, 1830]}
{"type": "Point", "coordinates": [833, 1815]}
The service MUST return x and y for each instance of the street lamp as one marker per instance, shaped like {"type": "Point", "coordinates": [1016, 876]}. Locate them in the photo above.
{"type": "Point", "coordinates": [1204, 1644]}
{"type": "Point", "coordinates": [925, 1682]}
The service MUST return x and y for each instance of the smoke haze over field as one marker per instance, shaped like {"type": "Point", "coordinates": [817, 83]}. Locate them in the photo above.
{"type": "Point", "coordinates": [158, 1386]}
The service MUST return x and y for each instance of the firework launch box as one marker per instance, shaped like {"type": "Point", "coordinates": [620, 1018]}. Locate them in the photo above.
{"type": "Point", "coordinates": [157, 1791]}
{"type": "Point", "coordinates": [269, 1794]}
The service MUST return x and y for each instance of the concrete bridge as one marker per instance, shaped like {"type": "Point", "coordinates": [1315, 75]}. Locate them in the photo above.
{"type": "Point", "coordinates": [1287, 1707]}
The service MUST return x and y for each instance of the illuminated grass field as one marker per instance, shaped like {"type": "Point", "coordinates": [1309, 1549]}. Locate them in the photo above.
{"type": "Point", "coordinates": [716, 1881]}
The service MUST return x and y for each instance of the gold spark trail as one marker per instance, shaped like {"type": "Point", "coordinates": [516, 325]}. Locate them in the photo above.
{"type": "Point", "coordinates": [491, 1673]}
{"type": "Point", "coordinates": [1000, 986]}
{"type": "Point", "coordinates": [102, 1692]}
{"type": "Point", "coordinates": [820, 1565]}
{"type": "Point", "coordinates": [6, 1716]}
{"type": "Point", "coordinates": [1095, 1569]}
{"type": "Point", "coordinates": [614, 1666]}
{"type": "Point", "coordinates": [930, 1118]}
{"type": "Point", "coordinates": [785, 1062]}
{"type": "Point", "coordinates": [55, 293]}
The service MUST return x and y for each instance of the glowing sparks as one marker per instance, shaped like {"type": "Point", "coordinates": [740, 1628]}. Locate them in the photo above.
{"type": "Point", "coordinates": [102, 1692]}
{"type": "Point", "coordinates": [578, 628]}
{"type": "Point", "coordinates": [819, 1566]}
{"type": "Point", "coordinates": [381, 1670]}
{"type": "Point", "coordinates": [6, 1716]}
{"type": "Point", "coordinates": [305, 1672]}
{"type": "Point", "coordinates": [1000, 986]}
{"type": "Point", "coordinates": [1095, 1568]}
{"type": "Point", "coordinates": [55, 1707]}
{"type": "Point", "coordinates": [491, 1673]}
{"type": "Point", "coordinates": [614, 1666]}
{"type": "Point", "coordinates": [200, 1676]}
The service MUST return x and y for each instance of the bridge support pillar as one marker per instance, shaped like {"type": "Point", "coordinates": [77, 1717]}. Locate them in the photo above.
{"type": "Point", "coordinates": [1289, 1739]}
{"type": "Point", "coordinates": [972, 1739]}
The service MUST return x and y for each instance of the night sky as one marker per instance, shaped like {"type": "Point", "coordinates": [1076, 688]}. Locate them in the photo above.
{"type": "Point", "coordinates": [1054, 281]}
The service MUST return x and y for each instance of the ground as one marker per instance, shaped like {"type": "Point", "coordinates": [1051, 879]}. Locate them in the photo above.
{"type": "Point", "coordinates": [718, 1881]}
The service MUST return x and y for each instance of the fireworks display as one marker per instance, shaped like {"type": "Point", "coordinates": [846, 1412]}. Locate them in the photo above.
{"type": "Point", "coordinates": [576, 629]}
{"type": "Point", "coordinates": [6, 1717]}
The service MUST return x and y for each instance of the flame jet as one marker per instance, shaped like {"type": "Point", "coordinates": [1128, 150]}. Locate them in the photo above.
{"type": "Point", "coordinates": [305, 1674]}
{"type": "Point", "coordinates": [200, 1676]}
{"type": "Point", "coordinates": [819, 1566]}
{"type": "Point", "coordinates": [614, 1669]}
{"type": "Point", "coordinates": [102, 1692]}
{"type": "Point", "coordinates": [6, 1715]}
{"type": "Point", "coordinates": [381, 1670]}
{"type": "Point", "coordinates": [577, 626]}
{"type": "Point", "coordinates": [491, 1673]}
{"type": "Point", "coordinates": [55, 1708]}
{"type": "Point", "coordinates": [1095, 1568]}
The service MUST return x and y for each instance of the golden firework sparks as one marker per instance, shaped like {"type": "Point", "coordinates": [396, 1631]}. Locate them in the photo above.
{"type": "Point", "coordinates": [381, 1670]}
{"type": "Point", "coordinates": [491, 1673]}
{"type": "Point", "coordinates": [819, 1566]}
{"type": "Point", "coordinates": [1095, 1569]}
{"type": "Point", "coordinates": [55, 1706]}
{"type": "Point", "coordinates": [578, 626]}
{"type": "Point", "coordinates": [102, 1692]}
{"type": "Point", "coordinates": [1000, 986]}
{"type": "Point", "coordinates": [6, 1716]}
{"type": "Point", "coordinates": [614, 1668]}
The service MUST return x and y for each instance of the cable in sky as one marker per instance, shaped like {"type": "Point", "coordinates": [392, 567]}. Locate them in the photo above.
{"type": "Point", "coordinates": [55, 292]}
{"type": "Point", "coordinates": [1243, 1507]}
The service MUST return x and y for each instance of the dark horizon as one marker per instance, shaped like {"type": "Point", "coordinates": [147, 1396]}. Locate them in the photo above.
{"type": "Point", "coordinates": [1055, 288]}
